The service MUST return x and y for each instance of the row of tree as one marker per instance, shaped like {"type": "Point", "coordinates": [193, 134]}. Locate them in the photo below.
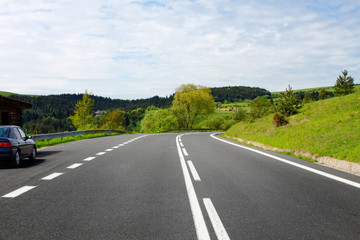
{"type": "Point", "coordinates": [50, 113]}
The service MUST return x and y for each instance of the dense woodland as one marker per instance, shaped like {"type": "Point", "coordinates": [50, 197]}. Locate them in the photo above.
{"type": "Point", "coordinates": [50, 113]}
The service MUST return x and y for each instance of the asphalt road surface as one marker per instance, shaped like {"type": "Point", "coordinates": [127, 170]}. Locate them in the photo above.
{"type": "Point", "coordinates": [174, 186]}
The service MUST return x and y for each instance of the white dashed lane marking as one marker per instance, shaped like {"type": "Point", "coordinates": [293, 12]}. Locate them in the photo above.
{"type": "Point", "coordinates": [185, 152]}
{"type": "Point", "coordinates": [75, 165]}
{"type": "Point", "coordinates": [89, 159]}
{"type": "Point", "coordinates": [52, 176]}
{"type": "Point", "coordinates": [193, 171]}
{"type": "Point", "coordinates": [199, 221]}
{"type": "Point", "coordinates": [215, 220]}
{"type": "Point", "coordinates": [109, 150]}
{"type": "Point", "coordinates": [18, 192]}
{"type": "Point", "coordinates": [100, 153]}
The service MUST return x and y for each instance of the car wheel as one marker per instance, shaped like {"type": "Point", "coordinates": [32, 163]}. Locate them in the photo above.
{"type": "Point", "coordinates": [17, 159]}
{"type": "Point", "coordinates": [33, 154]}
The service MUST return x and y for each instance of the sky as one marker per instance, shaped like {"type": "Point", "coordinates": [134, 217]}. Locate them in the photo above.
{"type": "Point", "coordinates": [125, 49]}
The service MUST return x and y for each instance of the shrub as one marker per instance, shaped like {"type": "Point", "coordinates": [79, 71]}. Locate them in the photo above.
{"type": "Point", "coordinates": [260, 107]}
{"type": "Point", "coordinates": [279, 120]}
{"type": "Point", "coordinates": [239, 115]}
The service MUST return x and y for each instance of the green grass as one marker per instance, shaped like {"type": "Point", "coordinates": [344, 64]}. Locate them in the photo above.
{"type": "Point", "coordinates": [7, 94]}
{"type": "Point", "coordinates": [56, 141]}
{"type": "Point", "coordinates": [327, 128]}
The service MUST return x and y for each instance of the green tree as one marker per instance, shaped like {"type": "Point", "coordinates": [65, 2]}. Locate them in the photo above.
{"type": "Point", "coordinates": [307, 98]}
{"type": "Point", "coordinates": [289, 103]}
{"type": "Point", "coordinates": [260, 107]}
{"type": "Point", "coordinates": [158, 120]}
{"type": "Point", "coordinates": [113, 120]}
{"type": "Point", "coordinates": [190, 102]}
{"type": "Point", "coordinates": [239, 115]}
{"type": "Point", "coordinates": [344, 84]}
{"type": "Point", "coordinates": [82, 118]}
{"type": "Point", "coordinates": [323, 94]}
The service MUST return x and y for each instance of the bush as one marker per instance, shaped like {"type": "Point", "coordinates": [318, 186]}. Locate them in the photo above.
{"type": "Point", "coordinates": [279, 120]}
{"type": "Point", "coordinates": [260, 107]}
{"type": "Point", "coordinates": [239, 115]}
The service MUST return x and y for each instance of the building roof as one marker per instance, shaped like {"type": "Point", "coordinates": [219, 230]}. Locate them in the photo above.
{"type": "Point", "coordinates": [13, 103]}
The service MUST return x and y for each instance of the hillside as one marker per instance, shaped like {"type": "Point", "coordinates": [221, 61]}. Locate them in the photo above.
{"type": "Point", "coordinates": [329, 127]}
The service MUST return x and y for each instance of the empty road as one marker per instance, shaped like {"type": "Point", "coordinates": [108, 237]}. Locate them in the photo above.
{"type": "Point", "coordinates": [174, 186]}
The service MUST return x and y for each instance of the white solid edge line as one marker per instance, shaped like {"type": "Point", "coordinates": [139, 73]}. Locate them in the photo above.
{"type": "Point", "coordinates": [193, 171]}
{"type": "Point", "coordinates": [52, 176]}
{"type": "Point", "coordinates": [199, 222]}
{"type": "Point", "coordinates": [75, 165]}
{"type": "Point", "coordinates": [328, 175]}
{"type": "Point", "coordinates": [89, 158]}
{"type": "Point", "coordinates": [215, 220]}
{"type": "Point", "coordinates": [185, 152]}
{"type": "Point", "coordinates": [100, 153]}
{"type": "Point", "coordinates": [18, 192]}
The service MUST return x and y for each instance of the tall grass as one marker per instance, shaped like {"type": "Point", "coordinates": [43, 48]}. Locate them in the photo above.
{"type": "Point", "coordinates": [327, 128]}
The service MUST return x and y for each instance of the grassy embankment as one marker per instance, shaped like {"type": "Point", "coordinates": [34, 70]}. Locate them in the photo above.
{"type": "Point", "coordinates": [56, 141]}
{"type": "Point", "coordinates": [329, 127]}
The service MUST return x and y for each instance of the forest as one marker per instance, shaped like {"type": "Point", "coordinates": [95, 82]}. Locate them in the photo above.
{"type": "Point", "coordinates": [51, 113]}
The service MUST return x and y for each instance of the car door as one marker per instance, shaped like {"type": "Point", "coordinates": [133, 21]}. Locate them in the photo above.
{"type": "Point", "coordinates": [19, 142]}
{"type": "Point", "coordinates": [26, 146]}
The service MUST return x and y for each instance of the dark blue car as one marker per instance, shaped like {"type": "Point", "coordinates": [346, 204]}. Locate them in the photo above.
{"type": "Point", "coordinates": [16, 145]}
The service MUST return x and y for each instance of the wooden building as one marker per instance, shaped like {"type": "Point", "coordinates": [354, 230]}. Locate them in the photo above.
{"type": "Point", "coordinates": [11, 111]}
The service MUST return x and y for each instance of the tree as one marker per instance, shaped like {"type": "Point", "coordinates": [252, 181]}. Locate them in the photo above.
{"type": "Point", "coordinates": [307, 98]}
{"type": "Point", "coordinates": [158, 120]}
{"type": "Point", "coordinates": [344, 84]}
{"type": "Point", "coordinates": [289, 103]}
{"type": "Point", "coordinates": [113, 120]}
{"type": "Point", "coordinates": [190, 102]}
{"type": "Point", "coordinates": [323, 94]}
{"type": "Point", "coordinates": [82, 118]}
{"type": "Point", "coordinates": [260, 107]}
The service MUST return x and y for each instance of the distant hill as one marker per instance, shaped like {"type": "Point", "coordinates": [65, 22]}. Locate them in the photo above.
{"type": "Point", "coordinates": [50, 113]}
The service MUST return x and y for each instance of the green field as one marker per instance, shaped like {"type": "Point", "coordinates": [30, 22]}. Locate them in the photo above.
{"type": "Point", "coordinates": [329, 127]}
{"type": "Point", "coordinates": [7, 94]}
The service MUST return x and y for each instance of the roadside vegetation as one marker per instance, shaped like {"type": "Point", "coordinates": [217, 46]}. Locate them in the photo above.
{"type": "Point", "coordinates": [56, 141]}
{"type": "Point", "coordinates": [327, 127]}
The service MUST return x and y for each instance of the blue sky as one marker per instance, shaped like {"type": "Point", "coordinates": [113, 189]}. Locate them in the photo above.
{"type": "Point", "coordinates": [138, 49]}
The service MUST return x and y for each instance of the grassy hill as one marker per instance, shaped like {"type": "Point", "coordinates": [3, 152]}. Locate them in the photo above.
{"type": "Point", "coordinates": [329, 127]}
{"type": "Point", "coordinates": [7, 94]}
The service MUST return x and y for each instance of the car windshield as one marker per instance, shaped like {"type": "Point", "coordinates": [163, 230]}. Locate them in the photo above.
{"type": "Point", "coordinates": [4, 131]}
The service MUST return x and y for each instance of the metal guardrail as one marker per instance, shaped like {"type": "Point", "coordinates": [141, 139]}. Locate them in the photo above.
{"type": "Point", "coordinates": [61, 135]}
{"type": "Point", "coordinates": [193, 129]}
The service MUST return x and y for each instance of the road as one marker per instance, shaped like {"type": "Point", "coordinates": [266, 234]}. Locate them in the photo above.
{"type": "Point", "coordinates": [174, 186]}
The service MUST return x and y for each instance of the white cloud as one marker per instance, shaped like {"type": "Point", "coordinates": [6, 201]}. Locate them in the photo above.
{"type": "Point", "coordinates": [137, 49]}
